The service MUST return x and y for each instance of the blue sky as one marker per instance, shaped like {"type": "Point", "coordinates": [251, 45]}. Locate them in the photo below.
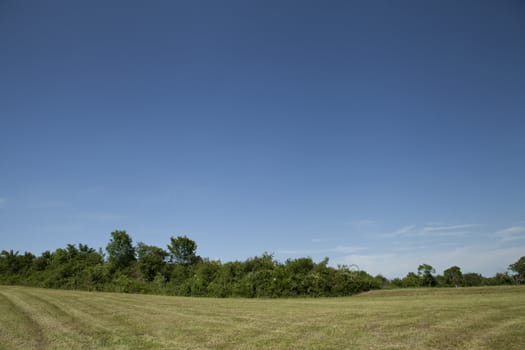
{"type": "Point", "coordinates": [383, 134]}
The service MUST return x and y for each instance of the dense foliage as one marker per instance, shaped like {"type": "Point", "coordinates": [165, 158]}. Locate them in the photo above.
{"type": "Point", "coordinates": [452, 277]}
{"type": "Point", "coordinates": [180, 271]}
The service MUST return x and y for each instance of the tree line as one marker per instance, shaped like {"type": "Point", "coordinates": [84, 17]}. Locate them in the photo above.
{"type": "Point", "coordinates": [454, 277]}
{"type": "Point", "coordinates": [178, 270]}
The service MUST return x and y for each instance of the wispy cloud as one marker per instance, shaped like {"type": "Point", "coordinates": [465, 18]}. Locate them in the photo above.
{"type": "Point", "coordinates": [511, 234]}
{"type": "Point", "coordinates": [360, 223]}
{"type": "Point", "coordinates": [347, 249]}
{"type": "Point", "coordinates": [340, 249]}
{"type": "Point", "coordinates": [433, 228]}
{"type": "Point", "coordinates": [432, 231]}
{"type": "Point", "coordinates": [404, 229]}
{"type": "Point", "coordinates": [483, 259]}
{"type": "Point", "coordinates": [325, 239]}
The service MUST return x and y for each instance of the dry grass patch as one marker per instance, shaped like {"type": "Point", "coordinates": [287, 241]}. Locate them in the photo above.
{"type": "Point", "coordinates": [462, 318]}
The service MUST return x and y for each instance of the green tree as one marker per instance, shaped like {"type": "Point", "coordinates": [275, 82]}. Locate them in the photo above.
{"type": "Point", "coordinates": [453, 276]}
{"type": "Point", "coordinates": [14, 265]}
{"type": "Point", "coordinates": [472, 279]}
{"type": "Point", "coordinates": [183, 251]}
{"type": "Point", "coordinates": [43, 261]}
{"type": "Point", "coordinates": [499, 279]}
{"type": "Point", "coordinates": [121, 252]}
{"type": "Point", "coordinates": [519, 268]}
{"type": "Point", "coordinates": [382, 280]}
{"type": "Point", "coordinates": [203, 274]}
{"type": "Point", "coordinates": [151, 260]}
{"type": "Point", "coordinates": [410, 280]}
{"type": "Point", "coordinates": [297, 272]}
{"type": "Point", "coordinates": [425, 273]}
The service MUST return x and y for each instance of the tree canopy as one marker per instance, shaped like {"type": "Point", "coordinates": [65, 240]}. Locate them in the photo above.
{"type": "Point", "coordinates": [519, 268]}
{"type": "Point", "coordinates": [145, 268]}
{"type": "Point", "coordinates": [120, 249]}
{"type": "Point", "coordinates": [183, 251]}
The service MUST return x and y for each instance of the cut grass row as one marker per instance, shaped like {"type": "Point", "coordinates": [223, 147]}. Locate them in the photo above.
{"type": "Point", "coordinates": [462, 318]}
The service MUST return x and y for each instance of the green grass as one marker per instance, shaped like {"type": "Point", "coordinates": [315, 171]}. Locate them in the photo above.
{"type": "Point", "coordinates": [462, 318]}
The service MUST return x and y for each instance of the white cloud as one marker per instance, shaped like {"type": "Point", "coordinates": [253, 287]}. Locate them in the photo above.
{"type": "Point", "coordinates": [511, 234]}
{"type": "Point", "coordinates": [340, 249]}
{"type": "Point", "coordinates": [447, 227]}
{"type": "Point", "coordinates": [411, 245]}
{"type": "Point", "coordinates": [346, 249]}
{"type": "Point", "coordinates": [432, 230]}
{"type": "Point", "coordinates": [401, 231]}
{"type": "Point", "coordinates": [481, 259]}
{"type": "Point", "coordinates": [363, 222]}
{"type": "Point", "coordinates": [324, 239]}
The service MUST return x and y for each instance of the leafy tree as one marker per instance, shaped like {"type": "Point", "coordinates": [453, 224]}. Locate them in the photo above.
{"type": "Point", "coordinates": [15, 265]}
{"type": "Point", "coordinates": [296, 272]}
{"type": "Point", "coordinates": [204, 273]}
{"type": "Point", "coordinates": [183, 251]}
{"type": "Point", "coordinates": [472, 279]}
{"type": "Point", "coordinates": [382, 280]}
{"type": "Point", "coordinates": [348, 282]}
{"type": "Point", "coordinates": [43, 261]}
{"type": "Point", "coordinates": [121, 252]}
{"type": "Point", "coordinates": [425, 273]}
{"type": "Point", "coordinates": [397, 282]}
{"type": "Point", "coordinates": [499, 279]}
{"type": "Point", "coordinates": [258, 277]}
{"type": "Point", "coordinates": [179, 275]}
{"type": "Point", "coordinates": [151, 260]}
{"type": "Point", "coordinates": [226, 279]}
{"type": "Point", "coordinates": [300, 266]}
{"type": "Point", "coordinates": [519, 268]}
{"type": "Point", "coordinates": [321, 279]}
{"type": "Point", "coordinates": [411, 280]}
{"type": "Point", "coordinates": [453, 276]}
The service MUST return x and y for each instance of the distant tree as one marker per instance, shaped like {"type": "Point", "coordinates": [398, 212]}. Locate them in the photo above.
{"type": "Point", "coordinates": [472, 279]}
{"type": "Point", "coordinates": [183, 251]}
{"type": "Point", "coordinates": [297, 272]}
{"type": "Point", "coordinates": [382, 280]}
{"type": "Point", "coordinates": [43, 261]}
{"type": "Point", "coordinates": [397, 282]}
{"type": "Point", "coordinates": [12, 263]}
{"type": "Point", "coordinates": [425, 273]}
{"type": "Point", "coordinates": [9, 262]}
{"type": "Point", "coordinates": [453, 276]}
{"type": "Point", "coordinates": [519, 268]}
{"type": "Point", "coordinates": [300, 266]}
{"type": "Point", "coordinates": [500, 279]}
{"type": "Point", "coordinates": [411, 280]}
{"type": "Point", "coordinates": [120, 249]}
{"type": "Point", "coordinates": [204, 273]}
{"type": "Point", "coordinates": [151, 260]}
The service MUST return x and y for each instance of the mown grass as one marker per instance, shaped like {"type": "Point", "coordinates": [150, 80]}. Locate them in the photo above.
{"type": "Point", "coordinates": [462, 318]}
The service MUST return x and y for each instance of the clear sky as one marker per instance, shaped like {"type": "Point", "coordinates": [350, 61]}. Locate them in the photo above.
{"type": "Point", "coordinates": [379, 133]}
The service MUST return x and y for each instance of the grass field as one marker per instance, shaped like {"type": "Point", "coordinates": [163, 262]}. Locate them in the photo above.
{"type": "Point", "coordinates": [463, 318]}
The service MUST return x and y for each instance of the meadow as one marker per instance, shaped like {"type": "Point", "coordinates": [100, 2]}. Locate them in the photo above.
{"type": "Point", "coordinates": [420, 318]}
